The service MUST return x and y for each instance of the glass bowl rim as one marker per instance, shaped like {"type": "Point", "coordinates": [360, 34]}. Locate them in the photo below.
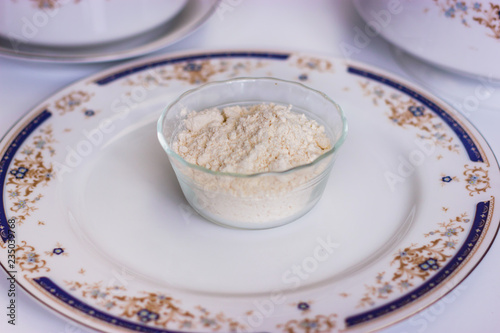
{"type": "Point", "coordinates": [171, 152]}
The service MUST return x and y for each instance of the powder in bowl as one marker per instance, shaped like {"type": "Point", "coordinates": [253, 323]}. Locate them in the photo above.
{"type": "Point", "coordinates": [265, 137]}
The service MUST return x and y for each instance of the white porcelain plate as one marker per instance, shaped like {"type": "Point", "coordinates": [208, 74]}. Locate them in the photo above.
{"type": "Point", "coordinates": [192, 16]}
{"type": "Point", "coordinates": [104, 236]}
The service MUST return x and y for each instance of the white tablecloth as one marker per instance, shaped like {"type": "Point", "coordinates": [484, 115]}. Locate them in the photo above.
{"type": "Point", "coordinates": [317, 27]}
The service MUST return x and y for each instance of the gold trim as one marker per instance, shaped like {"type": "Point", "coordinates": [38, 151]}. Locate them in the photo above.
{"type": "Point", "coordinates": [443, 285]}
{"type": "Point", "coordinates": [72, 309]}
{"type": "Point", "coordinates": [10, 136]}
{"type": "Point", "coordinates": [23, 123]}
{"type": "Point", "coordinates": [455, 115]}
{"type": "Point", "coordinates": [467, 130]}
{"type": "Point", "coordinates": [483, 234]}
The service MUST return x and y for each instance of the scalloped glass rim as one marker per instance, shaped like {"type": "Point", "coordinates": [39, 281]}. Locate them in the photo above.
{"type": "Point", "coordinates": [170, 152]}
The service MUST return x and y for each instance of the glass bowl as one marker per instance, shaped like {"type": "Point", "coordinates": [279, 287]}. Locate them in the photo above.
{"type": "Point", "coordinates": [260, 200]}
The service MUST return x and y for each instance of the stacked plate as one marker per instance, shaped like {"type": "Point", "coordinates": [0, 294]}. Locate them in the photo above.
{"type": "Point", "coordinates": [443, 43]}
{"type": "Point", "coordinates": [96, 31]}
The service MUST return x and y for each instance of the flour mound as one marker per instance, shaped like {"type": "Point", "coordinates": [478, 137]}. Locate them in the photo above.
{"type": "Point", "coordinates": [246, 140]}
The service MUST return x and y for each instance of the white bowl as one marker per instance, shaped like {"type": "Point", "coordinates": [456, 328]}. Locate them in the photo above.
{"type": "Point", "coordinates": [461, 36]}
{"type": "Point", "coordinates": [70, 23]}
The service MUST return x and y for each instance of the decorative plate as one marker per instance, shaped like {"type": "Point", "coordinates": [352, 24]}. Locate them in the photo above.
{"type": "Point", "coordinates": [450, 34]}
{"type": "Point", "coordinates": [99, 231]}
{"type": "Point", "coordinates": [193, 14]}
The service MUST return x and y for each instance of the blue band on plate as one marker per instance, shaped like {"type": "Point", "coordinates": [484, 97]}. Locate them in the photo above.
{"type": "Point", "coordinates": [469, 144]}
{"type": "Point", "coordinates": [477, 228]}
{"type": "Point", "coordinates": [73, 302]}
{"type": "Point", "coordinates": [7, 159]}
{"type": "Point", "coordinates": [129, 71]}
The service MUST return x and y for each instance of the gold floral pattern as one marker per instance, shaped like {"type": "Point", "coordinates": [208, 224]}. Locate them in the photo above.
{"type": "Point", "coordinates": [317, 64]}
{"type": "Point", "coordinates": [317, 324]}
{"type": "Point", "coordinates": [153, 308]}
{"type": "Point", "coordinates": [487, 15]}
{"type": "Point", "coordinates": [192, 72]}
{"type": "Point", "coordinates": [49, 4]}
{"type": "Point", "coordinates": [477, 179]}
{"type": "Point", "coordinates": [29, 172]}
{"type": "Point", "coordinates": [405, 112]}
{"type": "Point", "coordinates": [417, 262]}
{"type": "Point", "coordinates": [72, 101]}
{"type": "Point", "coordinates": [29, 260]}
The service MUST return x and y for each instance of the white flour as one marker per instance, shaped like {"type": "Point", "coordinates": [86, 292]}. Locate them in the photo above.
{"type": "Point", "coordinates": [261, 138]}
{"type": "Point", "coordinates": [249, 140]}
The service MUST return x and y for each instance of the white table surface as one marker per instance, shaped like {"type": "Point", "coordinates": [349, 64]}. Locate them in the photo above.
{"type": "Point", "coordinates": [317, 27]}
